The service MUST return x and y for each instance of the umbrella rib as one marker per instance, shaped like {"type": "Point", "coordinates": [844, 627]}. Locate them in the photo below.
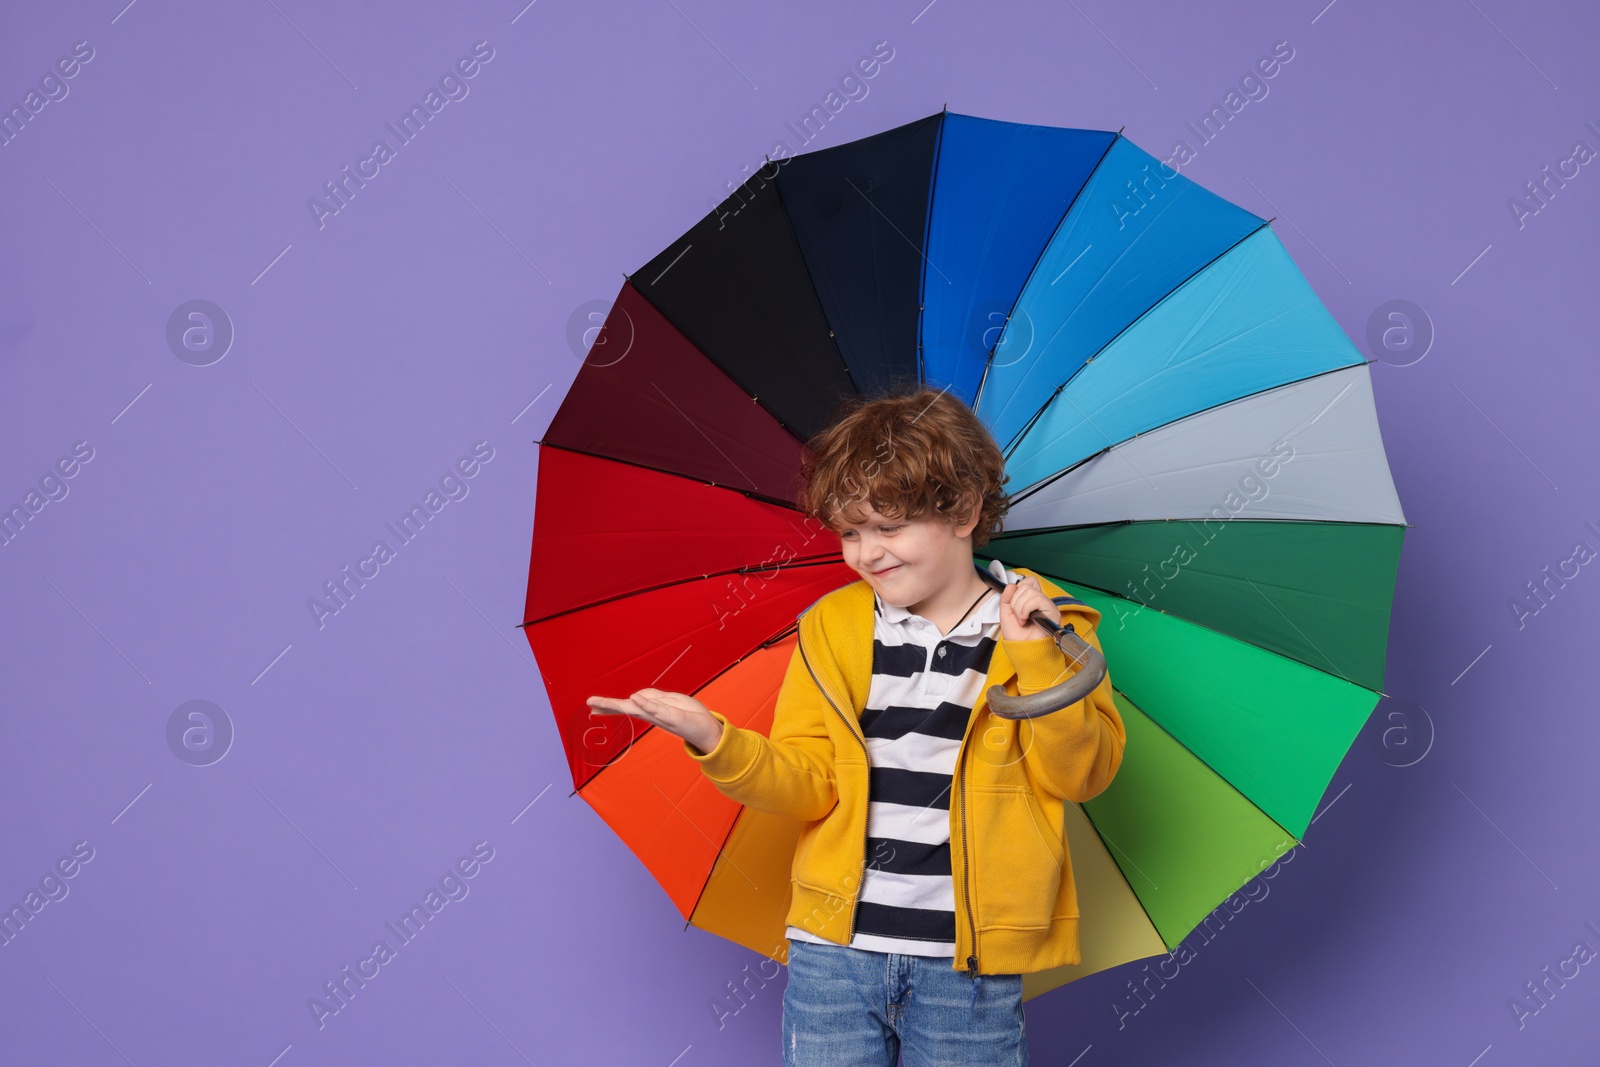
{"type": "Point", "coordinates": [895, 228]}
{"type": "Point", "coordinates": [702, 833]}
{"type": "Point", "coordinates": [1061, 394]}
{"type": "Point", "coordinates": [1334, 666]}
{"type": "Point", "coordinates": [1136, 897]}
{"type": "Point", "coordinates": [927, 230]}
{"type": "Point", "coordinates": [989, 362]}
{"type": "Point", "coordinates": [1017, 440]}
{"type": "Point", "coordinates": [1107, 839]}
{"type": "Point", "coordinates": [1203, 761]}
{"type": "Point", "coordinates": [752, 494]}
{"type": "Point", "coordinates": [1190, 467]}
{"type": "Point", "coordinates": [1101, 833]}
{"type": "Point", "coordinates": [808, 561]}
{"type": "Point", "coordinates": [726, 838]}
{"type": "Point", "coordinates": [1223, 633]}
{"type": "Point", "coordinates": [704, 352]}
{"type": "Point", "coordinates": [794, 236]}
{"type": "Point", "coordinates": [1041, 483]}
{"type": "Point", "coordinates": [702, 433]}
{"type": "Point", "coordinates": [1109, 447]}
{"type": "Point", "coordinates": [1028, 491]}
{"type": "Point", "coordinates": [614, 760]}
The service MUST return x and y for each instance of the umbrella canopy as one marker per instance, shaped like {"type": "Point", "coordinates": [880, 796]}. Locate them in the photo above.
{"type": "Point", "coordinates": [1191, 444]}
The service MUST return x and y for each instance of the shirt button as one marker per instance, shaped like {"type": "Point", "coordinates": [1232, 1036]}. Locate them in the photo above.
{"type": "Point", "coordinates": [941, 650]}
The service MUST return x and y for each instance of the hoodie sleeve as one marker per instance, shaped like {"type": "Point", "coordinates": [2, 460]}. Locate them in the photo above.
{"type": "Point", "coordinates": [791, 773]}
{"type": "Point", "coordinates": [1075, 752]}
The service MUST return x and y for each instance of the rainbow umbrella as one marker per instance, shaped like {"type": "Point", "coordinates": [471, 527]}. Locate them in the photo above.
{"type": "Point", "coordinates": [1192, 448]}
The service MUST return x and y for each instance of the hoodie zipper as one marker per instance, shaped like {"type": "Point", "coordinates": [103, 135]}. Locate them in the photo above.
{"type": "Point", "coordinates": [855, 904]}
{"type": "Point", "coordinates": [966, 883]}
{"type": "Point", "coordinates": [966, 854]}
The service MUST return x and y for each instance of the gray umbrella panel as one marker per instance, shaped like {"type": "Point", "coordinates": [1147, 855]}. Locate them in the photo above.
{"type": "Point", "coordinates": [1309, 450]}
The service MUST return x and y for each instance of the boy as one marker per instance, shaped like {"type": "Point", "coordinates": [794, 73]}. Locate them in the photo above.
{"type": "Point", "coordinates": [932, 872]}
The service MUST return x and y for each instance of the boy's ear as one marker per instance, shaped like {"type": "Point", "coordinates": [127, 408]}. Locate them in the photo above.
{"type": "Point", "coordinates": [965, 527]}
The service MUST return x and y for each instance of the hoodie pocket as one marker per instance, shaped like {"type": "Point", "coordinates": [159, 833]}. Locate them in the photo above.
{"type": "Point", "coordinates": [828, 854]}
{"type": "Point", "coordinates": [1018, 860]}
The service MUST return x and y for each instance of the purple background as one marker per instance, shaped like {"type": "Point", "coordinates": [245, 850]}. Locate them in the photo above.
{"type": "Point", "coordinates": [1454, 859]}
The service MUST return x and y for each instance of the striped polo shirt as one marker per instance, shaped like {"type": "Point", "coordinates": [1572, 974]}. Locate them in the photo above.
{"type": "Point", "coordinates": [924, 686]}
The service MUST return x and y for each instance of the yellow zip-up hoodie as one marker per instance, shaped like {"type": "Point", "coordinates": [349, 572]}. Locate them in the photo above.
{"type": "Point", "coordinates": [1016, 903]}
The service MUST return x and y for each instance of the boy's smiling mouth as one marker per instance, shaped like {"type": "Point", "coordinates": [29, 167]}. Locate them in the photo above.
{"type": "Point", "coordinates": [887, 570]}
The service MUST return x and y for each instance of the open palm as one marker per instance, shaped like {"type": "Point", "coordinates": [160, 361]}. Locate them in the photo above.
{"type": "Point", "coordinates": [677, 713]}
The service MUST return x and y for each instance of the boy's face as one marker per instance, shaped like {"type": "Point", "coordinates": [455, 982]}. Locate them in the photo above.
{"type": "Point", "coordinates": [907, 562]}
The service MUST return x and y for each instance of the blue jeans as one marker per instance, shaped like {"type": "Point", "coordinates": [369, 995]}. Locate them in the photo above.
{"type": "Point", "coordinates": [847, 1007]}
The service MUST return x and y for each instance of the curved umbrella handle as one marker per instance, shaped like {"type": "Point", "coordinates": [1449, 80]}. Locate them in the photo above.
{"type": "Point", "coordinates": [1090, 663]}
{"type": "Point", "coordinates": [1091, 669]}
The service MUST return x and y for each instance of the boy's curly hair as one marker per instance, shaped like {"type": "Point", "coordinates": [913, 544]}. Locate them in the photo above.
{"type": "Point", "coordinates": [909, 456]}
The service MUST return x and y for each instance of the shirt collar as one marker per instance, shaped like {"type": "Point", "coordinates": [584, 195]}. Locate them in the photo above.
{"type": "Point", "coordinates": [981, 616]}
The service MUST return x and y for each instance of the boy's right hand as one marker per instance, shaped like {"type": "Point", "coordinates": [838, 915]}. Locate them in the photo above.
{"type": "Point", "coordinates": [677, 713]}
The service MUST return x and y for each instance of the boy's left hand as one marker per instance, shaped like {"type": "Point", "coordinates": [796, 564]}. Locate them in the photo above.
{"type": "Point", "coordinates": [1020, 600]}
